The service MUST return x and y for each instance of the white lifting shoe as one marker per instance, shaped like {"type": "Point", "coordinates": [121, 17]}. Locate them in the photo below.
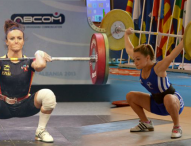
{"type": "Point", "coordinates": [143, 127]}
{"type": "Point", "coordinates": [176, 132]}
{"type": "Point", "coordinates": [44, 136]}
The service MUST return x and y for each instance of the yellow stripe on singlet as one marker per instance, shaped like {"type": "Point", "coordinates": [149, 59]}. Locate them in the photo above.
{"type": "Point", "coordinates": [12, 59]}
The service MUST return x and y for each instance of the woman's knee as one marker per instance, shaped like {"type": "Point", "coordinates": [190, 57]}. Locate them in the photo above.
{"type": "Point", "coordinates": [46, 98]}
{"type": "Point", "coordinates": [129, 96]}
{"type": "Point", "coordinates": [171, 101]}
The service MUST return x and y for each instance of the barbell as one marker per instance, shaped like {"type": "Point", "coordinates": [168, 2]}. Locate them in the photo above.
{"type": "Point", "coordinates": [117, 21]}
{"type": "Point", "coordinates": [98, 58]}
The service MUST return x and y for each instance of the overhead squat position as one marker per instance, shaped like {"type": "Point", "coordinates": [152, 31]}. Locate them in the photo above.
{"type": "Point", "coordinates": [163, 98]}
{"type": "Point", "coordinates": [16, 79]}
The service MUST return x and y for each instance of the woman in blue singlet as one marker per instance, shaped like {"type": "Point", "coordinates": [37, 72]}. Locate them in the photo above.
{"type": "Point", "coordinates": [163, 98]}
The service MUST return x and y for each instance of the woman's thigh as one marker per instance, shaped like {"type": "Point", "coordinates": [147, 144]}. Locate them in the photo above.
{"type": "Point", "coordinates": [25, 109]}
{"type": "Point", "coordinates": [139, 98]}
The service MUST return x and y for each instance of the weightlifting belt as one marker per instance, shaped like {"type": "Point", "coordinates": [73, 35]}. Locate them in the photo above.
{"type": "Point", "coordinates": [158, 97]}
{"type": "Point", "coordinates": [12, 100]}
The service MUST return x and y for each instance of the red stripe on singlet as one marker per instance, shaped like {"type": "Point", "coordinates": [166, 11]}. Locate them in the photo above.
{"type": "Point", "coordinates": [4, 56]}
{"type": "Point", "coordinates": [32, 75]}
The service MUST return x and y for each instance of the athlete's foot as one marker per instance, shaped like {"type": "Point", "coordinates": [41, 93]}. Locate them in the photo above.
{"type": "Point", "coordinates": [143, 127]}
{"type": "Point", "coordinates": [43, 135]}
{"type": "Point", "coordinates": [176, 132]}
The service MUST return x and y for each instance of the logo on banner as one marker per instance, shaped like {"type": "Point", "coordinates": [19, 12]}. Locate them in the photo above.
{"type": "Point", "coordinates": [33, 19]}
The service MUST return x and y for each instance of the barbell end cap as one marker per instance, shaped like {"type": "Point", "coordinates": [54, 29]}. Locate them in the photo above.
{"type": "Point", "coordinates": [93, 58]}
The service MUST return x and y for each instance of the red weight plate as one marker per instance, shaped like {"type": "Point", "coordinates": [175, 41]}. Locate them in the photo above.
{"type": "Point", "coordinates": [97, 69]}
{"type": "Point", "coordinates": [120, 103]}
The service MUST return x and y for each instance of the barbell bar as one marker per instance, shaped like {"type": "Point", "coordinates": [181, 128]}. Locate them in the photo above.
{"type": "Point", "coordinates": [92, 58]}
{"type": "Point", "coordinates": [118, 30]}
